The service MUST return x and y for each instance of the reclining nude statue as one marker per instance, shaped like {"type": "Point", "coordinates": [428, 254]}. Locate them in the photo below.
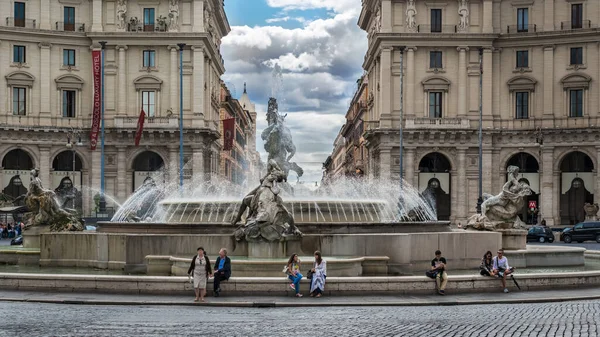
{"type": "Point", "coordinates": [44, 208]}
{"type": "Point", "coordinates": [268, 219]}
{"type": "Point", "coordinates": [501, 211]}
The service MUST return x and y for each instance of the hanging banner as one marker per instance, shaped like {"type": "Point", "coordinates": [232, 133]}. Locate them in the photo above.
{"type": "Point", "coordinates": [140, 128]}
{"type": "Point", "coordinates": [96, 113]}
{"type": "Point", "coordinates": [228, 133]}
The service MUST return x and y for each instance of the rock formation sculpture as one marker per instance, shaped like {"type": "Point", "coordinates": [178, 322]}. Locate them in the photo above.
{"type": "Point", "coordinates": [501, 211]}
{"type": "Point", "coordinates": [268, 219]}
{"type": "Point", "coordinates": [591, 211]}
{"type": "Point", "coordinates": [44, 209]}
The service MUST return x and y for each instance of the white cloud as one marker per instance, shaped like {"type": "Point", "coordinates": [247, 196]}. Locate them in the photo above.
{"type": "Point", "coordinates": [321, 62]}
{"type": "Point", "coordinates": [286, 19]}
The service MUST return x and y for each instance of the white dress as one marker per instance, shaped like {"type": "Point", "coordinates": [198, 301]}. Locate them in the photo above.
{"type": "Point", "coordinates": [200, 273]}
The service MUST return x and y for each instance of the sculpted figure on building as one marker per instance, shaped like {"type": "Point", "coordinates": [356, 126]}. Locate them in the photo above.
{"type": "Point", "coordinates": [411, 16]}
{"type": "Point", "coordinates": [463, 12]}
{"type": "Point", "coordinates": [173, 15]}
{"type": "Point", "coordinates": [121, 13]}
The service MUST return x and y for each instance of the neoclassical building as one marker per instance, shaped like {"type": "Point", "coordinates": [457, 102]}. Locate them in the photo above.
{"type": "Point", "coordinates": [540, 99]}
{"type": "Point", "coordinates": [46, 92]}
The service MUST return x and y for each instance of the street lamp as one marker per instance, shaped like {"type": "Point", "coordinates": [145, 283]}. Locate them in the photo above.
{"type": "Point", "coordinates": [181, 45]}
{"type": "Point", "coordinates": [480, 198]}
{"type": "Point", "coordinates": [401, 128]}
{"type": "Point", "coordinates": [71, 143]}
{"type": "Point", "coordinates": [102, 201]}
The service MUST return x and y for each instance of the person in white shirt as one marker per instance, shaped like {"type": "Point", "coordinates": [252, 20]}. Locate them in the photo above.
{"type": "Point", "coordinates": [501, 268]}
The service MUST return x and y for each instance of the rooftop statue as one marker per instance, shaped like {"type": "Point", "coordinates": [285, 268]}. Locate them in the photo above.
{"type": "Point", "coordinates": [45, 210]}
{"type": "Point", "coordinates": [501, 211]}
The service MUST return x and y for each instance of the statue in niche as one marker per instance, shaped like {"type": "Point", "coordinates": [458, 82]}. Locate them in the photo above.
{"type": "Point", "coordinates": [591, 211]}
{"type": "Point", "coordinates": [173, 15]}
{"type": "Point", "coordinates": [376, 26]}
{"type": "Point", "coordinates": [501, 211]}
{"type": "Point", "coordinates": [411, 15]}
{"type": "Point", "coordinates": [121, 13]}
{"type": "Point", "coordinates": [68, 195]}
{"type": "Point", "coordinates": [463, 12]}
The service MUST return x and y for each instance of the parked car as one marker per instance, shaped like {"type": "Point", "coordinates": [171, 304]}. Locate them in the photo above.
{"type": "Point", "coordinates": [582, 231]}
{"type": "Point", "coordinates": [17, 241]}
{"type": "Point", "coordinates": [540, 234]}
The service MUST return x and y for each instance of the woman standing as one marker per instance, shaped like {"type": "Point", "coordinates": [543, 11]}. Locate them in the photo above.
{"type": "Point", "coordinates": [319, 270]}
{"type": "Point", "coordinates": [201, 268]}
{"type": "Point", "coordinates": [293, 271]}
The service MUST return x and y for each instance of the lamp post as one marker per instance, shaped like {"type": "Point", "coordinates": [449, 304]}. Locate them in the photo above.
{"type": "Point", "coordinates": [102, 201]}
{"type": "Point", "coordinates": [71, 145]}
{"type": "Point", "coordinates": [401, 127]}
{"type": "Point", "coordinates": [539, 139]}
{"type": "Point", "coordinates": [480, 193]}
{"type": "Point", "coordinates": [181, 45]}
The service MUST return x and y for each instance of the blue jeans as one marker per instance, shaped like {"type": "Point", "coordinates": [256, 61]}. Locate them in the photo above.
{"type": "Point", "coordinates": [296, 281]}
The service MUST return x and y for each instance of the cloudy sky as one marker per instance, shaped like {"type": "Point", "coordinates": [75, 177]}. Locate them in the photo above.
{"type": "Point", "coordinates": [319, 48]}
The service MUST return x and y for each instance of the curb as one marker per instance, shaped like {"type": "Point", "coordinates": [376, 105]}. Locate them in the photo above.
{"type": "Point", "coordinates": [275, 304]}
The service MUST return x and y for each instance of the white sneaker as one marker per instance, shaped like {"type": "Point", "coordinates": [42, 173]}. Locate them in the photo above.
{"type": "Point", "coordinates": [505, 290]}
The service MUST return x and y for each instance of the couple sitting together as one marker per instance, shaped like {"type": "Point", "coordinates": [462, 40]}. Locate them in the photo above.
{"type": "Point", "coordinates": [496, 266]}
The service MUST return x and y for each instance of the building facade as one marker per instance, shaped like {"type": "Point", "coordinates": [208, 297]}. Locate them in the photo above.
{"type": "Point", "coordinates": [356, 156]}
{"type": "Point", "coordinates": [46, 92]}
{"type": "Point", "coordinates": [539, 87]}
{"type": "Point", "coordinates": [238, 163]}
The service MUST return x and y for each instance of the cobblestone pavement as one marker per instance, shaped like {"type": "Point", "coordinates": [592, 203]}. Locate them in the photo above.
{"type": "Point", "coordinates": [546, 319]}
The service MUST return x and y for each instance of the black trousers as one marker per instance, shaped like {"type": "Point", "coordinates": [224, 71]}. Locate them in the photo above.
{"type": "Point", "coordinates": [220, 277]}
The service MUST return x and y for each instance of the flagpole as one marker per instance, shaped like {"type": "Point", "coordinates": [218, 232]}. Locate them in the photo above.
{"type": "Point", "coordinates": [181, 45]}
{"type": "Point", "coordinates": [102, 201]}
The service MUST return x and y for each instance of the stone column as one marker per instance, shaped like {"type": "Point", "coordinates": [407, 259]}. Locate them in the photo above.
{"type": "Point", "coordinates": [409, 79]}
{"type": "Point", "coordinates": [173, 164]}
{"type": "Point", "coordinates": [198, 161]}
{"type": "Point", "coordinates": [486, 169]}
{"type": "Point", "coordinates": [45, 14]}
{"type": "Point", "coordinates": [386, 16]}
{"type": "Point", "coordinates": [122, 173]}
{"type": "Point", "coordinates": [487, 17]}
{"type": "Point", "coordinates": [462, 81]}
{"type": "Point", "coordinates": [546, 188]}
{"type": "Point", "coordinates": [174, 80]}
{"type": "Point", "coordinates": [45, 165]}
{"type": "Point", "coordinates": [487, 86]}
{"type": "Point", "coordinates": [198, 84]}
{"type": "Point", "coordinates": [462, 204]}
{"type": "Point", "coordinates": [385, 88]}
{"type": "Point", "coordinates": [548, 85]}
{"type": "Point", "coordinates": [385, 164]}
{"type": "Point", "coordinates": [198, 16]}
{"type": "Point", "coordinates": [409, 165]}
{"type": "Point", "coordinates": [548, 15]}
{"type": "Point", "coordinates": [45, 82]}
{"type": "Point", "coordinates": [554, 215]}
{"type": "Point", "coordinates": [4, 55]}
{"type": "Point", "coordinates": [122, 79]}
{"type": "Point", "coordinates": [96, 16]}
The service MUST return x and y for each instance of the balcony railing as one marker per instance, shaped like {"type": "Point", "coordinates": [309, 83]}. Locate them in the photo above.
{"type": "Point", "coordinates": [521, 29]}
{"type": "Point", "coordinates": [69, 27]}
{"type": "Point", "coordinates": [141, 27]}
{"type": "Point", "coordinates": [568, 25]}
{"type": "Point", "coordinates": [25, 23]}
{"type": "Point", "coordinates": [436, 29]}
{"type": "Point", "coordinates": [437, 123]}
{"type": "Point", "coordinates": [151, 122]}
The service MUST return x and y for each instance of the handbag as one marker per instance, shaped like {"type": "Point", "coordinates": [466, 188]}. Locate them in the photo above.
{"type": "Point", "coordinates": [431, 273]}
{"type": "Point", "coordinates": [285, 269]}
{"type": "Point", "coordinates": [309, 275]}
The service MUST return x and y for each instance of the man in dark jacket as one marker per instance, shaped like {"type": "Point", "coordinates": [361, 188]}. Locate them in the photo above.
{"type": "Point", "coordinates": [222, 270]}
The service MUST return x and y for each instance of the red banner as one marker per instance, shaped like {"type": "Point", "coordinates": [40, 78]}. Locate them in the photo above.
{"type": "Point", "coordinates": [228, 133]}
{"type": "Point", "coordinates": [140, 128]}
{"type": "Point", "coordinates": [96, 113]}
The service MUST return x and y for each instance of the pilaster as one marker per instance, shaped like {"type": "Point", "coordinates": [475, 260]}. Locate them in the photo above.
{"type": "Point", "coordinates": [409, 165]}
{"type": "Point", "coordinates": [122, 173]}
{"type": "Point", "coordinates": [547, 185]}
{"type": "Point", "coordinates": [462, 81]}
{"type": "Point", "coordinates": [386, 16]}
{"type": "Point", "coordinates": [487, 84]}
{"type": "Point", "coordinates": [548, 84]}
{"type": "Point", "coordinates": [122, 79]}
{"type": "Point", "coordinates": [3, 60]}
{"type": "Point", "coordinates": [45, 165]}
{"type": "Point", "coordinates": [174, 83]}
{"type": "Point", "coordinates": [173, 164]}
{"type": "Point", "coordinates": [198, 85]}
{"type": "Point", "coordinates": [45, 81]}
{"type": "Point", "coordinates": [487, 17]}
{"type": "Point", "coordinates": [44, 14]}
{"type": "Point", "coordinates": [548, 15]}
{"type": "Point", "coordinates": [385, 164]}
{"type": "Point", "coordinates": [198, 17]}
{"type": "Point", "coordinates": [410, 82]}
{"type": "Point", "coordinates": [461, 210]}
{"type": "Point", "coordinates": [198, 161]}
{"type": "Point", "coordinates": [385, 88]}
{"type": "Point", "coordinates": [97, 16]}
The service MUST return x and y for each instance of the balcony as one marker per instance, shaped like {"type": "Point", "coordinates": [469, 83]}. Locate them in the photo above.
{"type": "Point", "coordinates": [150, 122]}
{"type": "Point", "coordinates": [24, 23]}
{"type": "Point", "coordinates": [69, 27]}
{"type": "Point", "coordinates": [437, 29]}
{"type": "Point", "coordinates": [437, 123]}
{"type": "Point", "coordinates": [569, 25]}
{"type": "Point", "coordinates": [517, 29]}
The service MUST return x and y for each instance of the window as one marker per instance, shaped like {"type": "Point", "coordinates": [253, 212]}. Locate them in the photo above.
{"type": "Point", "coordinates": [69, 17]}
{"type": "Point", "coordinates": [19, 101]}
{"type": "Point", "coordinates": [69, 57]}
{"type": "Point", "coordinates": [436, 20]}
{"type": "Point", "coordinates": [148, 104]}
{"type": "Point", "coordinates": [68, 103]}
{"type": "Point", "coordinates": [148, 58]}
{"type": "Point", "coordinates": [522, 105]}
{"type": "Point", "coordinates": [576, 103]}
{"type": "Point", "coordinates": [435, 105]}
{"type": "Point", "coordinates": [576, 16]}
{"type": "Point", "coordinates": [148, 19]}
{"type": "Point", "coordinates": [576, 56]}
{"type": "Point", "coordinates": [522, 20]}
{"type": "Point", "coordinates": [435, 59]}
{"type": "Point", "coordinates": [522, 59]}
{"type": "Point", "coordinates": [19, 14]}
{"type": "Point", "coordinates": [19, 54]}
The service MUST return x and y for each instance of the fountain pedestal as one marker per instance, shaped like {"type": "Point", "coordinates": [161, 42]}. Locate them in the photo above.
{"type": "Point", "coordinates": [31, 236]}
{"type": "Point", "coordinates": [513, 239]}
{"type": "Point", "coordinates": [272, 250]}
